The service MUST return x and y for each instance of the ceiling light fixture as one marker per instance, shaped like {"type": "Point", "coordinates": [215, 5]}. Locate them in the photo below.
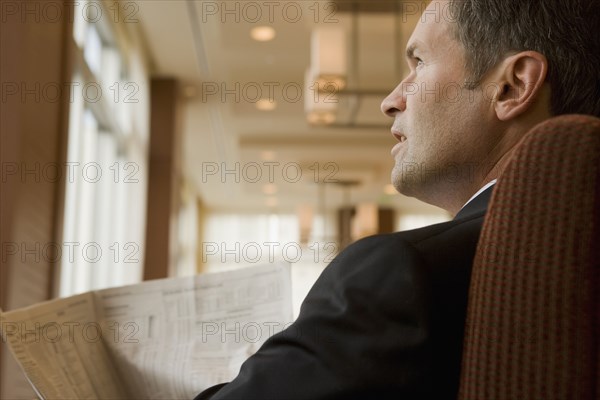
{"type": "Point", "coordinates": [328, 57]}
{"type": "Point", "coordinates": [262, 33]}
{"type": "Point", "coordinates": [269, 189]}
{"type": "Point", "coordinates": [267, 155]}
{"type": "Point", "coordinates": [320, 118]}
{"type": "Point", "coordinates": [326, 76]}
{"type": "Point", "coordinates": [266, 104]}
{"type": "Point", "coordinates": [320, 107]}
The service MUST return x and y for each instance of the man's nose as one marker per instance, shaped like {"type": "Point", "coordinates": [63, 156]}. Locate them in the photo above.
{"type": "Point", "coordinates": [395, 102]}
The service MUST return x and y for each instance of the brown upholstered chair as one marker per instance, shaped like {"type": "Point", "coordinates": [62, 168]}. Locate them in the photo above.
{"type": "Point", "coordinates": [533, 327]}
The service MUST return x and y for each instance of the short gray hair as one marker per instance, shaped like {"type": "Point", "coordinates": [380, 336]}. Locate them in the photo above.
{"type": "Point", "coordinates": [566, 32]}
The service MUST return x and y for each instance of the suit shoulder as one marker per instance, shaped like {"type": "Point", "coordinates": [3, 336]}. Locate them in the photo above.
{"type": "Point", "coordinates": [451, 231]}
{"type": "Point", "coordinates": [412, 238]}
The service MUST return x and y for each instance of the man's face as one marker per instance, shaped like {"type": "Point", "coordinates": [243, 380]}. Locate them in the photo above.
{"type": "Point", "coordinates": [441, 127]}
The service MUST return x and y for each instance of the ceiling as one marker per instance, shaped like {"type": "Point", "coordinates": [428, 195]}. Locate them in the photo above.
{"type": "Point", "coordinates": [231, 149]}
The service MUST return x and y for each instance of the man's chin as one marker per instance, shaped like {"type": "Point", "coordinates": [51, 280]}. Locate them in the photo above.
{"type": "Point", "coordinates": [402, 185]}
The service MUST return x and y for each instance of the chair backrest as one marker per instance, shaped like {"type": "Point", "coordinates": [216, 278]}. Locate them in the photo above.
{"type": "Point", "coordinates": [533, 317]}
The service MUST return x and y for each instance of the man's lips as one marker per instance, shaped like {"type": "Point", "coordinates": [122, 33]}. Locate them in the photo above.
{"type": "Point", "coordinates": [399, 136]}
{"type": "Point", "coordinates": [401, 139]}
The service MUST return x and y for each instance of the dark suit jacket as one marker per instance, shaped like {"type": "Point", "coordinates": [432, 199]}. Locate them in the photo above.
{"type": "Point", "coordinates": [384, 320]}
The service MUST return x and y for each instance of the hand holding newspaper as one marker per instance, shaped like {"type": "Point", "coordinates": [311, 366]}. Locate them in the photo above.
{"type": "Point", "coordinates": [162, 339]}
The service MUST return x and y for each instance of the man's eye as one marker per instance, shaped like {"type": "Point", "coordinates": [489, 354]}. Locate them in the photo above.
{"type": "Point", "coordinates": [420, 62]}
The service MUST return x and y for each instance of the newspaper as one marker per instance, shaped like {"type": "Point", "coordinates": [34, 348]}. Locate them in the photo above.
{"type": "Point", "coordinates": [162, 339]}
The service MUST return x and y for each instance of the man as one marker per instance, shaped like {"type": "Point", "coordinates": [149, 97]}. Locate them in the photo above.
{"type": "Point", "coordinates": [386, 318]}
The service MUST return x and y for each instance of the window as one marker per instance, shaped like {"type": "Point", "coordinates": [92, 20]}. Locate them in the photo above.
{"type": "Point", "coordinates": [239, 240]}
{"type": "Point", "coordinates": [106, 171]}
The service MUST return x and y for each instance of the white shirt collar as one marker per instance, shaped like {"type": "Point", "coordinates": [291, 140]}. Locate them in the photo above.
{"type": "Point", "coordinates": [487, 185]}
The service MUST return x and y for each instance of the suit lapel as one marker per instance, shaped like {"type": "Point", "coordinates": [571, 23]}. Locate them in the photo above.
{"type": "Point", "coordinates": [476, 206]}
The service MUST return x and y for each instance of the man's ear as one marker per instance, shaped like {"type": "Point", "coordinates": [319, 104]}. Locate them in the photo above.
{"type": "Point", "coordinates": [522, 78]}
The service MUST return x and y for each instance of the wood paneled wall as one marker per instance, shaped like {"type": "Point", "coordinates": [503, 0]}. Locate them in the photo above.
{"type": "Point", "coordinates": [34, 54]}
